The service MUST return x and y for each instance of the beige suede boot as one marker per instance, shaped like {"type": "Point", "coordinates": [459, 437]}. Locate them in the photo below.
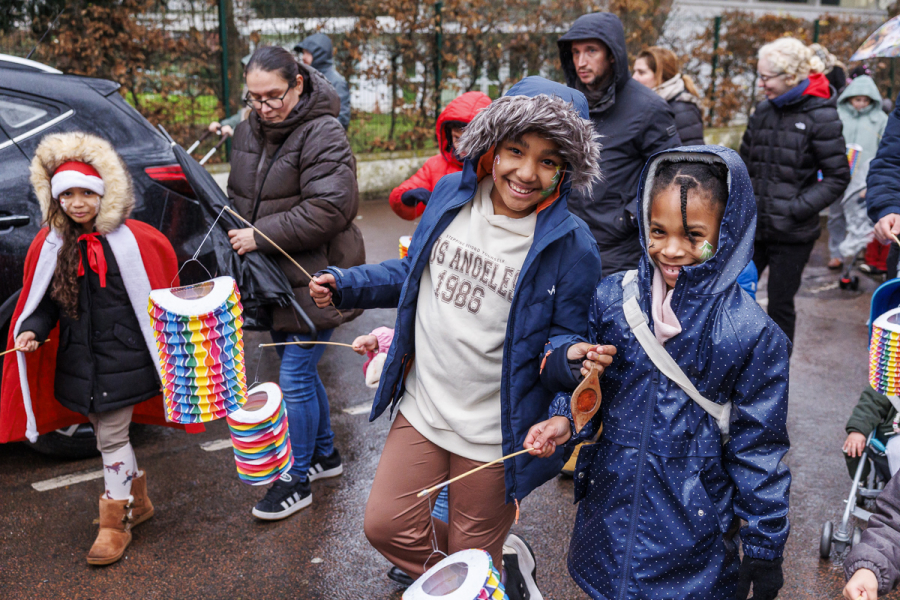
{"type": "Point", "coordinates": [141, 508]}
{"type": "Point", "coordinates": [114, 535]}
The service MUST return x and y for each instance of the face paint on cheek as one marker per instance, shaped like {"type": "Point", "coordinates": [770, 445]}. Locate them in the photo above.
{"type": "Point", "coordinates": [494, 170]}
{"type": "Point", "coordinates": [62, 205]}
{"type": "Point", "coordinates": [553, 183]}
{"type": "Point", "coordinates": [706, 251]}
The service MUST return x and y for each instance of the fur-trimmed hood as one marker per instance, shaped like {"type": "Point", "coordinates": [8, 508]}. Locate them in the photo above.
{"type": "Point", "coordinates": [555, 111]}
{"type": "Point", "coordinates": [56, 148]}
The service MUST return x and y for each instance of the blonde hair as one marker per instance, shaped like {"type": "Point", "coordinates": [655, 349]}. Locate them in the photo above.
{"type": "Point", "coordinates": [664, 65]}
{"type": "Point", "coordinates": [793, 58]}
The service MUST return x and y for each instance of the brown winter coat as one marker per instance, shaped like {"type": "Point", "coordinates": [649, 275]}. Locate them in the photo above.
{"type": "Point", "coordinates": [309, 198]}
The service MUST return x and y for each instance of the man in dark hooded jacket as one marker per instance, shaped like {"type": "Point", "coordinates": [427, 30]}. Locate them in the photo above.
{"type": "Point", "coordinates": [634, 122]}
{"type": "Point", "coordinates": [317, 52]}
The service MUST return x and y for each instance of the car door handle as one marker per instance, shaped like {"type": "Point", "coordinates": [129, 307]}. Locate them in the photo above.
{"type": "Point", "coordinates": [14, 221]}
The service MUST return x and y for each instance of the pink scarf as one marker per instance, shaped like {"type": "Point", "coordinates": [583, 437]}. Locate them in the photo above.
{"type": "Point", "coordinates": [665, 323]}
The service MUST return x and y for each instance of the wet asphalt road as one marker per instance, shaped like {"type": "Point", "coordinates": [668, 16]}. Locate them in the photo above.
{"type": "Point", "coordinates": [203, 542]}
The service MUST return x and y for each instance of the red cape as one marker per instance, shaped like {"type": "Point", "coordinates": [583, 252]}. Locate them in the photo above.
{"type": "Point", "coordinates": [161, 267]}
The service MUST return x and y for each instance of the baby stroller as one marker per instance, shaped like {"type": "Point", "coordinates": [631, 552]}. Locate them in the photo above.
{"type": "Point", "coordinates": [871, 476]}
{"type": "Point", "coordinates": [872, 473]}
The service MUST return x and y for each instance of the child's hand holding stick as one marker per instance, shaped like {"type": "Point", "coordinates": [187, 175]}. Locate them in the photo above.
{"type": "Point", "coordinates": [544, 437]}
{"type": "Point", "coordinates": [365, 343]}
{"type": "Point", "coordinates": [320, 289]}
{"type": "Point", "coordinates": [26, 342]}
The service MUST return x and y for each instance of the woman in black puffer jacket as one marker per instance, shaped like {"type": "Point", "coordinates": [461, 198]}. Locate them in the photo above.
{"type": "Point", "coordinates": [794, 135]}
{"type": "Point", "coordinates": [658, 69]}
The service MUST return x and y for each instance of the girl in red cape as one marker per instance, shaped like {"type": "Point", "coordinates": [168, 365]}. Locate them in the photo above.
{"type": "Point", "coordinates": [88, 277]}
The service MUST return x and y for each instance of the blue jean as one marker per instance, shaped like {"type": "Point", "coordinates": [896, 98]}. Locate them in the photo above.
{"type": "Point", "coordinates": [309, 421]}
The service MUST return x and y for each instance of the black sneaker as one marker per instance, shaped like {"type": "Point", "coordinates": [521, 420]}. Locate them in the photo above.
{"type": "Point", "coordinates": [521, 569]}
{"type": "Point", "coordinates": [286, 496]}
{"type": "Point", "coordinates": [322, 467]}
{"type": "Point", "coordinates": [399, 576]}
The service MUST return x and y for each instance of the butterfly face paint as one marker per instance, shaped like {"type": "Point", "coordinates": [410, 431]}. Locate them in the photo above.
{"type": "Point", "coordinates": [545, 193]}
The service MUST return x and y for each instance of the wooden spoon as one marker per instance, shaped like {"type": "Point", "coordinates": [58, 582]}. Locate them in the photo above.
{"type": "Point", "coordinates": [586, 400]}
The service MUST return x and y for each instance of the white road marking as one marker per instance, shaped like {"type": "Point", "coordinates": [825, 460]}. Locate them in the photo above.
{"type": "Point", "coordinates": [359, 409]}
{"type": "Point", "coordinates": [216, 445]}
{"type": "Point", "coordinates": [64, 480]}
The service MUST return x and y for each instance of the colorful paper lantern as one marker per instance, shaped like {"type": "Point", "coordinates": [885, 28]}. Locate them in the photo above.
{"type": "Point", "coordinates": [259, 435]}
{"type": "Point", "coordinates": [464, 575]}
{"type": "Point", "coordinates": [884, 353]}
{"type": "Point", "coordinates": [198, 330]}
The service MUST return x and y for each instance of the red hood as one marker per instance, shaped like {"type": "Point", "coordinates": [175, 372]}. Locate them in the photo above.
{"type": "Point", "coordinates": [463, 109]}
{"type": "Point", "coordinates": [818, 86]}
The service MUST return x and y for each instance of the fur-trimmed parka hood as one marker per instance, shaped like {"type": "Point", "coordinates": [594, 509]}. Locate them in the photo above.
{"type": "Point", "coordinates": [538, 105]}
{"type": "Point", "coordinates": [56, 148]}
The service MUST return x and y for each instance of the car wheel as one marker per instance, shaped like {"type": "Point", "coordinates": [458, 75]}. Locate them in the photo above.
{"type": "Point", "coordinates": [75, 442]}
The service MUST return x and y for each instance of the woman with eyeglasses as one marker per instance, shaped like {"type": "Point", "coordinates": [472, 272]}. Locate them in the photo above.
{"type": "Point", "coordinates": [294, 177]}
{"type": "Point", "coordinates": [795, 154]}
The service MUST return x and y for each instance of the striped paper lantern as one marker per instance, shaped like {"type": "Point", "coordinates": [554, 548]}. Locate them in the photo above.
{"type": "Point", "coordinates": [201, 349]}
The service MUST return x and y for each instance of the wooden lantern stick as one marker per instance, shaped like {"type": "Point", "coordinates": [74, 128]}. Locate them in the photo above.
{"type": "Point", "coordinates": [277, 247]}
{"type": "Point", "coordinates": [467, 473]}
{"type": "Point", "coordinates": [309, 343]}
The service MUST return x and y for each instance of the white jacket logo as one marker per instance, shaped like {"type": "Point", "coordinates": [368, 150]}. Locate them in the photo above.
{"type": "Point", "coordinates": [552, 290]}
{"type": "Point", "coordinates": [800, 126]}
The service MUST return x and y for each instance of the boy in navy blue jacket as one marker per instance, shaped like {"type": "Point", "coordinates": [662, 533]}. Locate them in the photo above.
{"type": "Point", "coordinates": [496, 268]}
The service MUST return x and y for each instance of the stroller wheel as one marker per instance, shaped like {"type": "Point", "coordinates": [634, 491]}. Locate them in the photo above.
{"type": "Point", "coordinates": [854, 283]}
{"type": "Point", "coordinates": [857, 536]}
{"type": "Point", "coordinates": [825, 541]}
{"type": "Point", "coordinates": [844, 283]}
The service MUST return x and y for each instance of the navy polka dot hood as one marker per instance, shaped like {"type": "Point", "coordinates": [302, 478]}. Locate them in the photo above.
{"type": "Point", "coordinates": [661, 497]}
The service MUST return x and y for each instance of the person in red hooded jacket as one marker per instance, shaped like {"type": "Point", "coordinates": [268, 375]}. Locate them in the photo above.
{"type": "Point", "coordinates": [410, 197]}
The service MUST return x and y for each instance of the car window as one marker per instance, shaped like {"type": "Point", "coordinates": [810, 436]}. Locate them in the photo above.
{"type": "Point", "coordinates": [19, 115]}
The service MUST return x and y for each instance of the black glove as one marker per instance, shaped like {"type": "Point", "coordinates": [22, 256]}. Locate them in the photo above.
{"type": "Point", "coordinates": [415, 196]}
{"type": "Point", "coordinates": [765, 575]}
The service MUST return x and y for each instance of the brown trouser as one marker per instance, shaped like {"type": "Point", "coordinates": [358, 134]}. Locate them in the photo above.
{"type": "Point", "coordinates": [111, 428]}
{"type": "Point", "coordinates": [400, 526]}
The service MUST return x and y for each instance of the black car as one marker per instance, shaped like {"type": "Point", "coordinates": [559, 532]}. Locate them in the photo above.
{"type": "Point", "coordinates": [35, 100]}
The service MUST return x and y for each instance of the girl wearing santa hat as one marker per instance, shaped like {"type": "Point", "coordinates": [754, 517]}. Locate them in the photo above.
{"type": "Point", "coordinates": [88, 275]}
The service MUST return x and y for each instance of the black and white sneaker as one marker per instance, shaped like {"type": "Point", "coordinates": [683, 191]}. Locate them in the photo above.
{"type": "Point", "coordinates": [286, 496]}
{"type": "Point", "coordinates": [322, 467]}
{"type": "Point", "coordinates": [521, 569]}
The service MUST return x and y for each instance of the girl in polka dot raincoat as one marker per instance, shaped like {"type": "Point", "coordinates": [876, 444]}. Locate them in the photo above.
{"type": "Point", "coordinates": [665, 498]}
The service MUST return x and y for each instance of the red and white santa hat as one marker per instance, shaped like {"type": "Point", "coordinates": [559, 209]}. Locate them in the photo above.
{"type": "Point", "coordinates": [74, 174]}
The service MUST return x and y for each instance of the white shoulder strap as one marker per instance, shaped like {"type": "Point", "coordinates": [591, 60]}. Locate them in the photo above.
{"type": "Point", "coordinates": [662, 359]}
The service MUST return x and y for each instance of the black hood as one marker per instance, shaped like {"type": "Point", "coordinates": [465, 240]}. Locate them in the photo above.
{"type": "Point", "coordinates": [602, 26]}
{"type": "Point", "coordinates": [319, 45]}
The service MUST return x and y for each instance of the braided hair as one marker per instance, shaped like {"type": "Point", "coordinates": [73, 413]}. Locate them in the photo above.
{"type": "Point", "coordinates": [710, 180]}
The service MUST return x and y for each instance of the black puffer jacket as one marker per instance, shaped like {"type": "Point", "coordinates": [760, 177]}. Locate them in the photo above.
{"type": "Point", "coordinates": [784, 149]}
{"type": "Point", "coordinates": [102, 363]}
{"type": "Point", "coordinates": [688, 120]}
{"type": "Point", "coordinates": [634, 124]}
{"type": "Point", "coordinates": [309, 198]}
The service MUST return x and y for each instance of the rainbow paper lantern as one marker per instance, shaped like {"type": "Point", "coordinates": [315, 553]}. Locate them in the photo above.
{"type": "Point", "coordinates": [464, 575]}
{"type": "Point", "coordinates": [259, 435]}
{"type": "Point", "coordinates": [201, 349]}
{"type": "Point", "coordinates": [884, 354]}
{"type": "Point", "coordinates": [853, 151]}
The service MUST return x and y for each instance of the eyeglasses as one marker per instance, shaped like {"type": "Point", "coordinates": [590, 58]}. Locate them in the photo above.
{"type": "Point", "coordinates": [273, 103]}
{"type": "Point", "coordinates": [765, 78]}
